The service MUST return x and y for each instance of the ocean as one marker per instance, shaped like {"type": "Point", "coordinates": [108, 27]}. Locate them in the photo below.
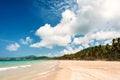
{"type": "Point", "coordinates": [5, 65]}
{"type": "Point", "coordinates": [26, 70]}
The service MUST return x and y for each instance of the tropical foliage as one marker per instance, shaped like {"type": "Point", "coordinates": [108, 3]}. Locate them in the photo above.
{"type": "Point", "coordinates": [101, 52]}
{"type": "Point", "coordinates": [31, 57]}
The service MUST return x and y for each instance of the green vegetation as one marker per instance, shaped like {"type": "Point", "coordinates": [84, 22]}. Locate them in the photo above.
{"type": "Point", "coordinates": [101, 52]}
{"type": "Point", "coordinates": [32, 57]}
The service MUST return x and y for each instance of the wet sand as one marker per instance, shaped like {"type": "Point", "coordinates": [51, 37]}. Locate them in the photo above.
{"type": "Point", "coordinates": [37, 71]}
{"type": "Point", "coordinates": [65, 70]}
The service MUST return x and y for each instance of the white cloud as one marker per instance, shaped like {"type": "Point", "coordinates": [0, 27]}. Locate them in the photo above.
{"type": "Point", "coordinates": [13, 47]}
{"type": "Point", "coordinates": [70, 50]}
{"type": "Point", "coordinates": [105, 35]}
{"type": "Point", "coordinates": [95, 19]}
{"type": "Point", "coordinates": [95, 14]}
{"type": "Point", "coordinates": [59, 35]}
{"type": "Point", "coordinates": [92, 21]}
{"type": "Point", "coordinates": [91, 38]}
{"type": "Point", "coordinates": [98, 36]}
{"type": "Point", "coordinates": [110, 9]}
{"type": "Point", "coordinates": [28, 40]}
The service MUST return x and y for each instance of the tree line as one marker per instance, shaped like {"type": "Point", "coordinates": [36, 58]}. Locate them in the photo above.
{"type": "Point", "coordinates": [101, 52]}
{"type": "Point", "coordinates": [31, 57]}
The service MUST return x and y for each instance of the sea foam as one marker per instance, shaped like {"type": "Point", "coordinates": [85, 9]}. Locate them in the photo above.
{"type": "Point", "coordinates": [14, 67]}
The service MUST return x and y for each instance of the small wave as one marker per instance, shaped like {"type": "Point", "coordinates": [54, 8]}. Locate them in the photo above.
{"type": "Point", "coordinates": [14, 67]}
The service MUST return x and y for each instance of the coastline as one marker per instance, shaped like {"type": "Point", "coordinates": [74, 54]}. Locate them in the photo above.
{"type": "Point", "coordinates": [37, 71]}
{"type": "Point", "coordinates": [65, 70]}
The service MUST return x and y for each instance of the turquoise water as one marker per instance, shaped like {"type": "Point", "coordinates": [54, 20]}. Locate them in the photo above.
{"type": "Point", "coordinates": [18, 63]}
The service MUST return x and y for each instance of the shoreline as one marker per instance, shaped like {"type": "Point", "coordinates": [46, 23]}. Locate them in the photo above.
{"type": "Point", "coordinates": [66, 70]}
{"type": "Point", "coordinates": [37, 71]}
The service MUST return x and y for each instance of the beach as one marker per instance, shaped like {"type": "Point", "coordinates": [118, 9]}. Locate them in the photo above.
{"type": "Point", "coordinates": [65, 70]}
{"type": "Point", "coordinates": [34, 71]}
{"type": "Point", "coordinates": [89, 70]}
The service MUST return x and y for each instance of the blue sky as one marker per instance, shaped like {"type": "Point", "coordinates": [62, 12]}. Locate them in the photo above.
{"type": "Point", "coordinates": [54, 28]}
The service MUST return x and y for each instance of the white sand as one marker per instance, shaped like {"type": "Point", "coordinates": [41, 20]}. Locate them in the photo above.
{"type": "Point", "coordinates": [88, 70]}
{"type": "Point", "coordinates": [66, 70]}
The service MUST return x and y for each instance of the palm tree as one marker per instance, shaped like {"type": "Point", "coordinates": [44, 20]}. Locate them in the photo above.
{"type": "Point", "coordinates": [113, 41]}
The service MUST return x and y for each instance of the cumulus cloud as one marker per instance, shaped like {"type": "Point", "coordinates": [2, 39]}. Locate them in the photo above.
{"type": "Point", "coordinates": [59, 35]}
{"type": "Point", "coordinates": [95, 14]}
{"type": "Point", "coordinates": [96, 38]}
{"type": "Point", "coordinates": [13, 47]}
{"type": "Point", "coordinates": [110, 9]}
{"type": "Point", "coordinates": [70, 50]}
{"type": "Point", "coordinates": [97, 20]}
{"type": "Point", "coordinates": [91, 39]}
{"type": "Point", "coordinates": [27, 41]}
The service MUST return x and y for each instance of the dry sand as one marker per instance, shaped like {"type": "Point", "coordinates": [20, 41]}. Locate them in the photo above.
{"type": "Point", "coordinates": [88, 70]}
{"type": "Point", "coordinates": [66, 70]}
